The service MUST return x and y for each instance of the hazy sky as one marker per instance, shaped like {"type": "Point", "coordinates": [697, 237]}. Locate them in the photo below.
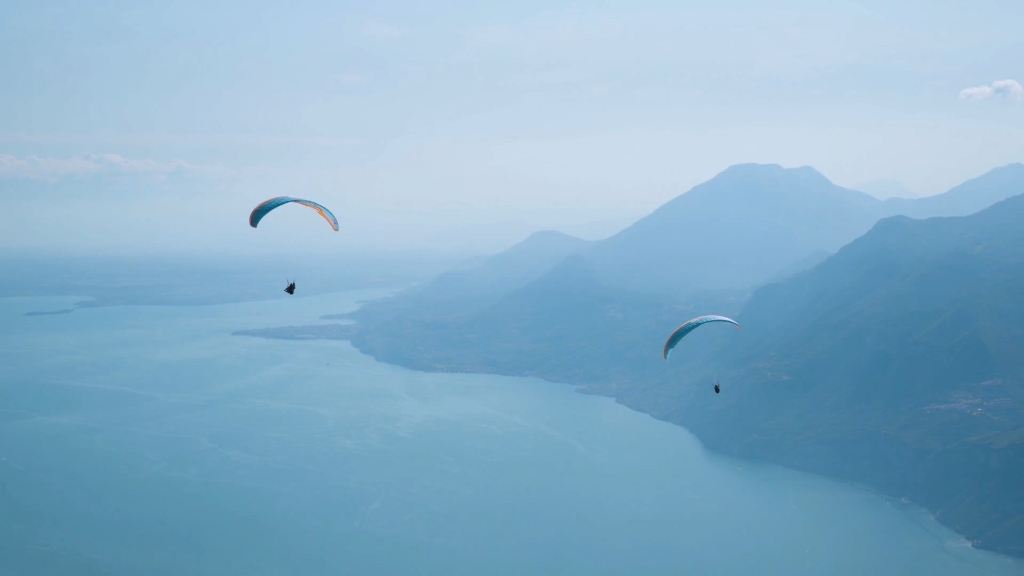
{"type": "Point", "coordinates": [431, 125]}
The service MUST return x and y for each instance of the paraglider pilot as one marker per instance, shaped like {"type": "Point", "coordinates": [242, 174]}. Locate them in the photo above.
{"type": "Point", "coordinates": [291, 288]}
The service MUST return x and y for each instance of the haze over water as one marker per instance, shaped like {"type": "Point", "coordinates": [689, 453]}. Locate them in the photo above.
{"type": "Point", "coordinates": [149, 440]}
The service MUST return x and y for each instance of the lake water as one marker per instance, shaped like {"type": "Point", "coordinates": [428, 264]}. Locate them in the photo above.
{"type": "Point", "coordinates": [149, 440]}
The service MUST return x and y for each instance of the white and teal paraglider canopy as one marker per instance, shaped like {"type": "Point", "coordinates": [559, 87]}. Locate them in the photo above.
{"type": "Point", "coordinates": [690, 326]}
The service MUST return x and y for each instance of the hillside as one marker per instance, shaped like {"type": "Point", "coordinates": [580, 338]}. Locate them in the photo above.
{"type": "Point", "coordinates": [898, 362]}
{"type": "Point", "coordinates": [734, 231]}
{"type": "Point", "coordinates": [973, 195]}
{"type": "Point", "coordinates": [475, 287]}
{"type": "Point", "coordinates": [493, 302]}
{"type": "Point", "coordinates": [567, 325]}
{"type": "Point", "coordinates": [895, 362]}
{"type": "Point", "coordinates": [749, 225]}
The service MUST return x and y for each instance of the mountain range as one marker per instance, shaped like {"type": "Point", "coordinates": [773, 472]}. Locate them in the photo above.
{"type": "Point", "coordinates": [882, 340]}
{"type": "Point", "coordinates": [898, 362]}
{"type": "Point", "coordinates": [708, 248]}
{"type": "Point", "coordinates": [748, 225]}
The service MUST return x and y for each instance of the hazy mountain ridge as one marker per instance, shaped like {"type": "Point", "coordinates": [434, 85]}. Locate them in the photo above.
{"type": "Point", "coordinates": [572, 324]}
{"type": "Point", "coordinates": [459, 300]}
{"type": "Point", "coordinates": [567, 324]}
{"type": "Point", "coordinates": [898, 362]}
{"type": "Point", "coordinates": [748, 225]}
{"type": "Point", "coordinates": [482, 283]}
{"type": "Point", "coordinates": [751, 221]}
{"type": "Point", "coordinates": [971, 196]}
{"type": "Point", "coordinates": [702, 239]}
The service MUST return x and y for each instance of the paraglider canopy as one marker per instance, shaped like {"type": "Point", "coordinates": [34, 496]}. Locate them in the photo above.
{"type": "Point", "coordinates": [267, 206]}
{"type": "Point", "coordinates": [690, 326]}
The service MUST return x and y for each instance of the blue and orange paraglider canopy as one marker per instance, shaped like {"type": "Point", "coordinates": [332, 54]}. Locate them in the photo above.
{"type": "Point", "coordinates": [265, 208]}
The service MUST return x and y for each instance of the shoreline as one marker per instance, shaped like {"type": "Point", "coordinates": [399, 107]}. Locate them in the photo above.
{"type": "Point", "coordinates": [348, 332]}
{"type": "Point", "coordinates": [341, 327]}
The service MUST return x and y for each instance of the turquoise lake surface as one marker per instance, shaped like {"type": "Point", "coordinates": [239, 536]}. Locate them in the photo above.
{"type": "Point", "coordinates": [151, 441]}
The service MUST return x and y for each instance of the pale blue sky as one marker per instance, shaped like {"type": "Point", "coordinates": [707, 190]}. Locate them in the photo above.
{"type": "Point", "coordinates": [464, 125]}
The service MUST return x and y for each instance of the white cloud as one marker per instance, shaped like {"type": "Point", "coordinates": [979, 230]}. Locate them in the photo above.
{"type": "Point", "coordinates": [1010, 89]}
{"type": "Point", "coordinates": [51, 168]}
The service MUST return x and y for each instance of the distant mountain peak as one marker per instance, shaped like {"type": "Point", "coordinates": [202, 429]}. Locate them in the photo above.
{"type": "Point", "coordinates": [753, 168]}
{"type": "Point", "coordinates": [971, 196]}
{"type": "Point", "coordinates": [543, 241]}
{"type": "Point", "coordinates": [550, 235]}
{"type": "Point", "coordinates": [1010, 166]}
{"type": "Point", "coordinates": [757, 179]}
{"type": "Point", "coordinates": [1006, 172]}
